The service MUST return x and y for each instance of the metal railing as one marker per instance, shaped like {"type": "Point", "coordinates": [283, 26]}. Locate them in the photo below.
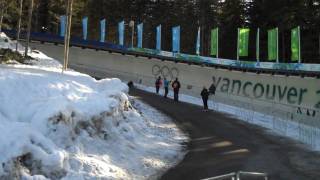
{"type": "Point", "coordinates": [237, 176]}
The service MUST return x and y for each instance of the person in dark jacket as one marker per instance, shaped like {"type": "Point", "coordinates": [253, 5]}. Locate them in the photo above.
{"type": "Point", "coordinates": [176, 87]}
{"type": "Point", "coordinates": [158, 84]}
{"type": "Point", "coordinates": [212, 89]}
{"type": "Point", "coordinates": [205, 96]}
{"type": "Point", "coordinates": [166, 84]}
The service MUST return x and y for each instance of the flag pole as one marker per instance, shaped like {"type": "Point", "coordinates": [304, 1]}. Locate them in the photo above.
{"type": "Point", "coordinates": [299, 36]}
{"type": "Point", "coordinates": [258, 45]}
{"type": "Point", "coordinates": [217, 42]}
{"type": "Point", "coordinates": [277, 30]}
{"type": "Point", "coordinates": [238, 45]}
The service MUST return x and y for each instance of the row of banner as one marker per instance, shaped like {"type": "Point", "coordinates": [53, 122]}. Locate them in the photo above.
{"type": "Point", "coordinates": [242, 40]}
{"type": "Point", "coordinates": [273, 44]}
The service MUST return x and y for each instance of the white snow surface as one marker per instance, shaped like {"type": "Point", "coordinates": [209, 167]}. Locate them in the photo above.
{"type": "Point", "coordinates": [68, 125]}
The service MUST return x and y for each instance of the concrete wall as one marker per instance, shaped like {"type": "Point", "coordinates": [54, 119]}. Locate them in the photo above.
{"type": "Point", "coordinates": [293, 98]}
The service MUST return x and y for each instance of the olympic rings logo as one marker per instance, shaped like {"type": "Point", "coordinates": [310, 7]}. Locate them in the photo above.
{"type": "Point", "coordinates": [165, 71]}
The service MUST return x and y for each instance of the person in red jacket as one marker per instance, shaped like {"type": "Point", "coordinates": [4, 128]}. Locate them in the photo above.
{"type": "Point", "coordinates": [158, 84]}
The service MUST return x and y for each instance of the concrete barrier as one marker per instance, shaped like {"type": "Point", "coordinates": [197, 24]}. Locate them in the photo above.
{"type": "Point", "coordinates": [291, 98]}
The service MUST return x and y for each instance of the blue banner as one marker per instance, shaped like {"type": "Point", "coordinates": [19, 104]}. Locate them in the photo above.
{"type": "Point", "coordinates": [198, 43]}
{"type": "Point", "coordinates": [103, 30]}
{"type": "Point", "coordinates": [176, 39]}
{"type": "Point", "coordinates": [121, 33]}
{"type": "Point", "coordinates": [63, 22]}
{"type": "Point", "coordinates": [140, 35]}
{"type": "Point", "coordinates": [158, 46]}
{"type": "Point", "coordinates": [85, 27]}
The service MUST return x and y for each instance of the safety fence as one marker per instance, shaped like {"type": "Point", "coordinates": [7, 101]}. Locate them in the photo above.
{"type": "Point", "coordinates": [239, 175]}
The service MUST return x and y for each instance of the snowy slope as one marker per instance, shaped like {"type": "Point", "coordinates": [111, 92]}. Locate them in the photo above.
{"type": "Point", "coordinates": [71, 126]}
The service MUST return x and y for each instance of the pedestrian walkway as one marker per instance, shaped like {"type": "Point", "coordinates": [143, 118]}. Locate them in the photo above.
{"type": "Point", "coordinates": [221, 144]}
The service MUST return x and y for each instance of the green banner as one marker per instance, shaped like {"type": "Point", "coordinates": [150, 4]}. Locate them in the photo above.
{"type": "Point", "coordinates": [273, 44]}
{"type": "Point", "coordinates": [243, 42]}
{"type": "Point", "coordinates": [214, 42]}
{"type": "Point", "coordinates": [295, 44]}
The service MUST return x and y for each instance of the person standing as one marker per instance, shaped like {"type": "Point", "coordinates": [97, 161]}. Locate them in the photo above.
{"type": "Point", "coordinates": [176, 87]}
{"type": "Point", "coordinates": [212, 89]}
{"type": "Point", "coordinates": [205, 96]}
{"type": "Point", "coordinates": [166, 87]}
{"type": "Point", "coordinates": [158, 84]}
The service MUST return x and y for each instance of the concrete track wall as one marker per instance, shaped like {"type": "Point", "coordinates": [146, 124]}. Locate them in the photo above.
{"type": "Point", "coordinates": [291, 98]}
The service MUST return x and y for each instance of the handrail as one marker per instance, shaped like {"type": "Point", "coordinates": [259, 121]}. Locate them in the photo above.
{"type": "Point", "coordinates": [230, 175]}
{"type": "Point", "coordinates": [256, 174]}
{"type": "Point", "coordinates": [237, 175]}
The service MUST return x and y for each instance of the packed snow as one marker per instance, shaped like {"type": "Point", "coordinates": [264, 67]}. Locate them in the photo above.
{"type": "Point", "coordinates": [68, 125]}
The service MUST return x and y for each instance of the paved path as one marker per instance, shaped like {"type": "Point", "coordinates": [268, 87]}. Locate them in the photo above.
{"type": "Point", "coordinates": [221, 144]}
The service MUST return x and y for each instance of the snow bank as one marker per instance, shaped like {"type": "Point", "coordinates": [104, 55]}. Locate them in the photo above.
{"type": "Point", "coordinates": [71, 126]}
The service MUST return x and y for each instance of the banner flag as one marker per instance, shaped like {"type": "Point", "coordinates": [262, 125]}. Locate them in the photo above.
{"type": "Point", "coordinates": [158, 46]}
{"type": "Point", "coordinates": [273, 45]}
{"type": "Point", "coordinates": [121, 33]}
{"type": "Point", "coordinates": [140, 35]}
{"type": "Point", "coordinates": [198, 42]}
{"type": "Point", "coordinates": [243, 42]}
{"type": "Point", "coordinates": [295, 44]}
{"type": "Point", "coordinates": [103, 30]}
{"type": "Point", "coordinates": [215, 42]}
{"type": "Point", "coordinates": [176, 39]}
{"type": "Point", "coordinates": [63, 22]}
{"type": "Point", "coordinates": [258, 45]}
{"type": "Point", "coordinates": [85, 27]}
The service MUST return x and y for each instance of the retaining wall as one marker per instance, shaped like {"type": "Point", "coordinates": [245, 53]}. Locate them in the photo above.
{"type": "Point", "coordinates": [288, 97]}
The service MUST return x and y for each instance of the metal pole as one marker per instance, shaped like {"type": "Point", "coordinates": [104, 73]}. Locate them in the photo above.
{"type": "Point", "coordinates": [238, 45]}
{"type": "Point", "coordinates": [217, 42]}
{"type": "Point", "coordinates": [132, 32]}
{"type": "Point", "coordinates": [258, 45]}
{"type": "Point", "coordinates": [29, 28]}
{"type": "Point", "coordinates": [67, 35]}
{"type": "Point", "coordinates": [277, 30]}
{"type": "Point", "coordinates": [319, 45]}
{"type": "Point", "coordinates": [132, 35]}
{"type": "Point", "coordinates": [19, 24]}
{"type": "Point", "coordinates": [299, 44]}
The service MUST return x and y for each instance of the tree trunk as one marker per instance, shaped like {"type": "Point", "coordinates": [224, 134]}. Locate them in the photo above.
{"type": "Point", "coordinates": [1, 18]}
{"type": "Point", "coordinates": [19, 25]}
{"type": "Point", "coordinates": [67, 35]}
{"type": "Point", "coordinates": [29, 27]}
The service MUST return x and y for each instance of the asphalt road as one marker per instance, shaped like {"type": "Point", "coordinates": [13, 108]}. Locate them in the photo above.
{"type": "Point", "coordinates": [221, 144]}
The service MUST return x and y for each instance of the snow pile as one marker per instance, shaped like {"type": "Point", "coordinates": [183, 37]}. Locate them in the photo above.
{"type": "Point", "coordinates": [36, 57]}
{"type": "Point", "coordinates": [71, 126]}
{"type": "Point", "coordinates": [7, 43]}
